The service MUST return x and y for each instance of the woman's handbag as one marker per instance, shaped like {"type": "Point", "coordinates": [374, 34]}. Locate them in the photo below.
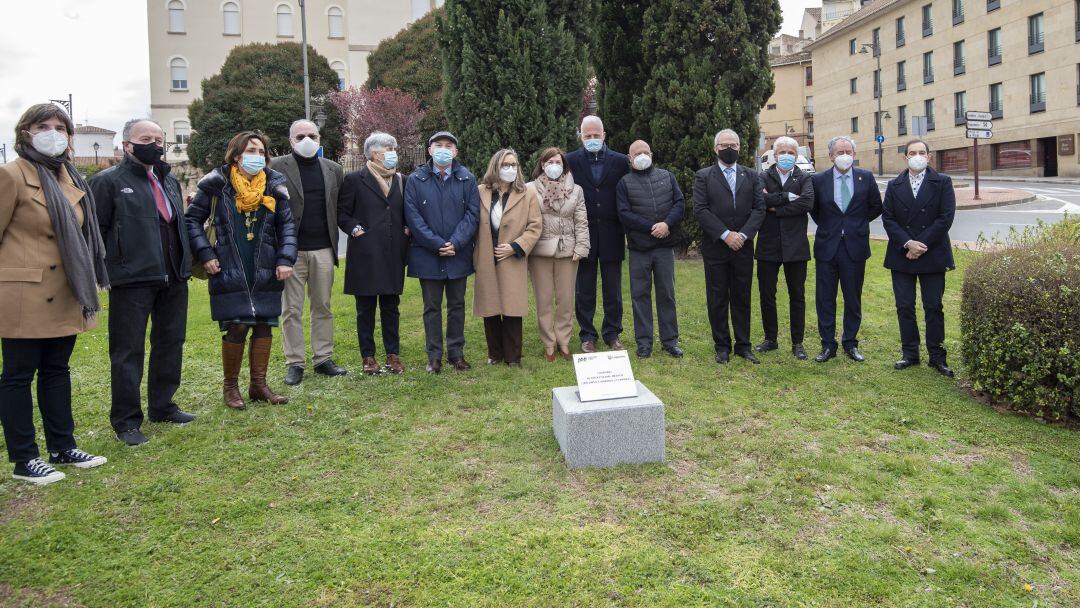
{"type": "Point", "coordinates": [197, 269]}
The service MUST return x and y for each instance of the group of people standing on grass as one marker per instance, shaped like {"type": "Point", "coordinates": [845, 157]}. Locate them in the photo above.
{"type": "Point", "coordinates": [263, 231]}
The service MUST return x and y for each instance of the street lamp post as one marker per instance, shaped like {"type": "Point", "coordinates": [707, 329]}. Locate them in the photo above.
{"type": "Point", "coordinates": [96, 147]}
{"type": "Point", "coordinates": [67, 104]}
{"type": "Point", "coordinates": [3, 153]}
{"type": "Point", "coordinates": [307, 80]}
{"type": "Point", "coordinates": [875, 46]}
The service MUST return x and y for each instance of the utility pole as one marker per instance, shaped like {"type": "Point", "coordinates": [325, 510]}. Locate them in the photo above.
{"type": "Point", "coordinates": [3, 153]}
{"type": "Point", "coordinates": [307, 81]}
{"type": "Point", "coordinates": [879, 90]}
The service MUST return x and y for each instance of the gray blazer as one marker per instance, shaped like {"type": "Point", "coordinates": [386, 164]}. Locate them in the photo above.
{"type": "Point", "coordinates": [333, 176]}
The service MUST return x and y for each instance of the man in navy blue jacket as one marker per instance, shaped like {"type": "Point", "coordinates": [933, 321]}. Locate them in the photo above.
{"type": "Point", "coordinates": [846, 200]}
{"type": "Point", "coordinates": [442, 209]}
{"type": "Point", "coordinates": [598, 169]}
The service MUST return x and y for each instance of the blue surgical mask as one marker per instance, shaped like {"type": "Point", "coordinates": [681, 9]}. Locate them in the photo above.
{"type": "Point", "coordinates": [389, 159]}
{"type": "Point", "coordinates": [594, 145]}
{"type": "Point", "coordinates": [253, 163]}
{"type": "Point", "coordinates": [442, 156]}
{"type": "Point", "coordinates": [785, 161]}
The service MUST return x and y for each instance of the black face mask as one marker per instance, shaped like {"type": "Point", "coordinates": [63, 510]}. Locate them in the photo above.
{"type": "Point", "coordinates": [147, 154]}
{"type": "Point", "coordinates": [728, 156]}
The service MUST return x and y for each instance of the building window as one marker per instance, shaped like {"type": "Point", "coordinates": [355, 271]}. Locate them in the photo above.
{"type": "Point", "coordinates": [1036, 34]}
{"type": "Point", "coordinates": [928, 110]}
{"type": "Point", "coordinates": [851, 46]}
{"type": "Point", "coordinates": [875, 41]}
{"type": "Point", "coordinates": [853, 85]}
{"type": "Point", "coordinates": [1038, 92]}
{"type": "Point", "coordinates": [877, 84]}
{"type": "Point", "coordinates": [955, 160]}
{"type": "Point", "coordinates": [927, 20]}
{"type": "Point", "coordinates": [771, 106]}
{"type": "Point", "coordinates": [960, 100]}
{"type": "Point", "coordinates": [809, 109]}
{"type": "Point", "coordinates": [810, 128]}
{"type": "Point", "coordinates": [901, 76]}
{"type": "Point", "coordinates": [854, 124]}
{"type": "Point", "coordinates": [877, 123]}
{"type": "Point", "coordinates": [231, 13]}
{"type": "Point", "coordinates": [958, 58]}
{"type": "Point", "coordinates": [182, 132]}
{"type": "Point", "coordinates": [176, 17]}
{"type": "Point", "coordinates": [993, 46]}
{"type": "Point", "coordinates": [957, 12]}
{"type": "Point", "coordinates": [997, 100]}
{"type": "Point", "coordinates": [928, 67]}
{"type": "Point", "coordinates": [1078, 84]}
{"type": "Point", "coordinates": [992, 5]}
{"type": "Point", "coordinates": [339, 67]}
{"type": "Point", "coordinates": [284, 21]}
{"type": "Point", "coordinates": [335, 18]}
{"type": "Point", "coordinates": [901, 120]}
{"type": "Point", "coordinates": [1077, 20]}
{"type": "Point", "coordinates": [1013, 155]}
{"type": "Point", "coordinates": [809, 76]}
{"type": "Point", "coordinates": [900, 32]}
{"type": "Point", "coordinates": [178, 74]}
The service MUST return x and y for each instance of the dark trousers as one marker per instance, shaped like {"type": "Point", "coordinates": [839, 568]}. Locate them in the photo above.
{"type": "Point", "coordinates": [728, 285]}
{"type": "Point", "coordinates": [932, 286]}
{"type": "Point", "coordinates": [503, 338]}
{"type": "Point", "coordinates": [432, 291]}
{"type": "Point", "coordinates": [365, 323]}
{"type": "Point", "coordinates": [848, 273]}
{"type": "Point", "coordinates": [649, 268]}
{"type": "Point", "coordinates": [585, 299]}
{"type": "Point", "coordinates": [795, 277]}
{"type": "Point", "coordinates": [48, 357]}
{"type": "Point", "coordinates": [130, 308]}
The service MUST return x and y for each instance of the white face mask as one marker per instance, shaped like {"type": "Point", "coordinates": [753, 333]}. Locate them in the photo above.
{"type": "Point", "coordinates": [508, 174]}
{"type": "Point", "coordinates": [917, 163]}
{"type": "Point", "coordinates": [553, 170]}
{"type": "Point", "coordinates": [642, 162]}
{"type": "Point", "coordinates": [306, 147]}
{"type": "Point", "coordinates": [844, 161]}
{"type": "Point", "coordinates": [50, 143]}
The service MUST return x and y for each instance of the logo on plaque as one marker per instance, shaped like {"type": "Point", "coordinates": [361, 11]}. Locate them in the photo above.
{"type": "Point", "coordinates": [604, 376]}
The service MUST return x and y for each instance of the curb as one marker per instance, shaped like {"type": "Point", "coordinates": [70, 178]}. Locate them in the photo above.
{"type": "Point", "coordinates": [989, 204]}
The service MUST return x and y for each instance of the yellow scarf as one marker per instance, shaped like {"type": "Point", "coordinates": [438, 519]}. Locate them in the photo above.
{"type": "Point", "coordinates": [249, 192]}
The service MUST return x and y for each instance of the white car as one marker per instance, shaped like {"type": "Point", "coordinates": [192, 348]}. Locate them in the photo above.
{"type": "Point", "coordinates": [768, 159]}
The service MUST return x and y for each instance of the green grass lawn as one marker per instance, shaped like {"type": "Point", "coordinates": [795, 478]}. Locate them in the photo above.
{"type": "Point", "coordinates": [789, 484]}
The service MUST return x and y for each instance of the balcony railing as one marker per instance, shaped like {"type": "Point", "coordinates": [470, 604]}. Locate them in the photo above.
{"type": "Point", "coordinates": [1038, 102]}
{"type": "Point", "coordinates": [993, 56]}
{"type": "Point", "coordinates": [901, 128]}
{"type": "Point", "coordinates": [808, 110]}
{"type": "Point", "coordinates": [960, 117]}
{"type": "Point", "coordinates": [928, 76]}
{"type": "Point", "coordinates": [996, 109]}
{"type": "Point", "coordinates": [928, 29]}
{"type": "Point", "coordinates": [958, 17]}
{"type": "Point", "coordinates": [930, 123]}
{"type": "Point", "coordinates": [1035, 42]}
{"type": "Point", "coordinates": [992, 5]}
{"type": "Point", "coordinates": [901, 84]}
{"type": "Point", "coordinates": [1078, 94]}
{"type": "Point", "coordinates": [958, 67]}
{"type": "Point", "coordinates": [900, 41]}
{"type": "Point", "coordinates": [1078, 28]}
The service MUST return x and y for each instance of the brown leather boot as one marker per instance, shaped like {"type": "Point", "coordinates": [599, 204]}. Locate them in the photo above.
{"type": "Point", "coordinates": [371, 366]}
{"type": "Point", "coordinates": [232, 358]}
{"type": "Point", "coordinates": [394, 365]}
{"type": "Point", "coordinates": [259, 361]}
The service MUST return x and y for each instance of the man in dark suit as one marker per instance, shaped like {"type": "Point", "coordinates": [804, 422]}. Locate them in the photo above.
{"type": "Point", "coordinates": [789, 196]}
{"type": "Point", "coordinates": [598, 169]}
{"type": "Point", "coordinates": [729, 204]}
{"type": "Point", "coordinates": [918, 212]}
{"type": "Point", "coordinates": [313, 183]}
{"type": "Point", "coordinates": [846, 200]}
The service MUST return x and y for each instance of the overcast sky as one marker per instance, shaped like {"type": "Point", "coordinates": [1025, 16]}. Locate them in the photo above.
{"type": "Point", "coordinates": [97, 51]}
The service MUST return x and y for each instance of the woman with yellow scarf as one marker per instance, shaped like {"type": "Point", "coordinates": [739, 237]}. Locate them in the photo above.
{"type": "Point", "coordinates": [242, 232]}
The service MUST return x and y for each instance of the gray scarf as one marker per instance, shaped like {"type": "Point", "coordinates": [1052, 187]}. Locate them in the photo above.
{"type": "Point", "coordinates": [81, 247]}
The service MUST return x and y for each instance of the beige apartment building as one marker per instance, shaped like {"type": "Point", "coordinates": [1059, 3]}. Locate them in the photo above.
{"type": "Point", "coordinates": [1017, 59]}
{"type": "Point", "coordinates": [189, 40]}
{"type": "Point", "coordinates": [790, 110]}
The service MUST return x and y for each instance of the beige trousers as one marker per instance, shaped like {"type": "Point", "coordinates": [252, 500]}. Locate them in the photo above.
{"type": "Point", "coordinates": [554, 279]}
{"type": "Point", "coordinates": [313, 272]}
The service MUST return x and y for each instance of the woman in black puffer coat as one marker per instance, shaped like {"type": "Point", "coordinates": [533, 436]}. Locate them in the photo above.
{"type": "Point", "coordinates": [254, 253]}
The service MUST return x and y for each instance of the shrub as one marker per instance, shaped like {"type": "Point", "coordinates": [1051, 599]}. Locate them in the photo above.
{"type": "Point", "coordinates": [1020, 321]}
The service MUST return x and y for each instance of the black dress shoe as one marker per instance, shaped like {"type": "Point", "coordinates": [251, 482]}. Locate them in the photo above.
{"type": "Point", "coordinates": [749, 356]}
{"type": "Point", "coordinates": [799, 352]}
{"type": "Point", "coordinates": [825, 355]}
{"type": "Point", "coordinates": [329, 368]}
{"type": "Point", "coordinates": [177, 416]}
{"type": "Point", "coordinates": [644, 353]}
{"type": "Point", "coordinates": [132, 437]}
{"type": "Point", "coordinates": [674, 351]}
{"type": "Point", "coordinates": [294, 376]}
{"type": "Point", "coordinates": [943, 369]}
{"type": "Point", "coordinates": [766, 345]}
{"type": "Point", "coordinates": [434, 366]}
{"type": "Point", "coordinates": [854, 354]}
{"type": "Point", "coordinates": [905, 363]}
{"type": "Point", "coordinates": [722, 357]}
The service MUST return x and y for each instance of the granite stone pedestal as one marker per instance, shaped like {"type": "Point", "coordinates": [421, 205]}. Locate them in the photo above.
{"type": "Point", "coordinates": [609, 432]}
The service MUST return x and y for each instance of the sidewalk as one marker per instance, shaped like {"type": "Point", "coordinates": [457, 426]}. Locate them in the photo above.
{"type": "Point", "coordinates": [991, 197]}
{"type": "Point", "coordinates": [995, 178]}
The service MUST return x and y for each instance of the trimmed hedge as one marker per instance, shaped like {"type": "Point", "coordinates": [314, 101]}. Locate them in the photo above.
{"type": "Point", "coordinates": [1020, 322]}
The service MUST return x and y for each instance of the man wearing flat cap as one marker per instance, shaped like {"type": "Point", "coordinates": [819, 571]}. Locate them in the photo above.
{"type": "Point", "coordinates": [442, 209]}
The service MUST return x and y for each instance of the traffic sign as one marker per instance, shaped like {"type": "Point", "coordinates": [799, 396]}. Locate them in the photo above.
{"type": "Point", "coordinates": [979, 134]}
{"type": "Point", "coordinates": [979, 116]}
{"type": "Point", "coordinates": [980, 124]}
{"type": "Point", "coordinates": [880, 139]}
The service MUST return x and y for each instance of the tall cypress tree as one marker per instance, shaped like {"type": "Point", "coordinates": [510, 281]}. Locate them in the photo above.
{"type": "Point", "coordinates": [515, 71]}
{"type": "Point", "coordinates": [620, 69]}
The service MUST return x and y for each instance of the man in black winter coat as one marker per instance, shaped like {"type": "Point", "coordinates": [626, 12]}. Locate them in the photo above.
{"type": "Point", "coordinates": [141, 214]}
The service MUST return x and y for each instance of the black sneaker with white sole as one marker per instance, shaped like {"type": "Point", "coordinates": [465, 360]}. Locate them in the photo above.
{"type": "Point", "coordinates": [36, 472]}
{"type": "Point", "coordinates": [77, 458]}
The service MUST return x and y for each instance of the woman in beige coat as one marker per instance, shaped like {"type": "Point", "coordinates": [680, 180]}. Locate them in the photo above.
{"type": "Point", "coordinates": [509, 227]}
{"type": "Point", "coordinates": [52, 263]}
{"type": "Point", "coordinates": [554, 260]}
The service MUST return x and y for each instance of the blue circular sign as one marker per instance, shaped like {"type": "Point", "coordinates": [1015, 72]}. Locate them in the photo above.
{"type": "Point", "coordinates": [880, 139]}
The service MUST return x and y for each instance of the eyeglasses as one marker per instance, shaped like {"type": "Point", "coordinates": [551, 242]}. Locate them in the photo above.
{"type": "Point", "coordinates": [509, 165]}
{"type": "Point", "coordinates": [729, 146]}
{"type": "Point", "coordinates": [312, 136]}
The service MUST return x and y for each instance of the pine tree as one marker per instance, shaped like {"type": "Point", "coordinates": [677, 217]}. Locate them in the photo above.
{"type": "Point", "coordinates": [619, 66]}
{"type": "Point", "coordinates": [515, 72]}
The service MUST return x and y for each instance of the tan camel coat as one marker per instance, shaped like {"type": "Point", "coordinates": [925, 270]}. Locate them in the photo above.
{"type": "Point", "coordinates": [503, 288]}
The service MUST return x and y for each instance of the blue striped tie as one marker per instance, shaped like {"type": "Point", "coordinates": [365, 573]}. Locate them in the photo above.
{"type": "Point", "coordinates": [730, 174]}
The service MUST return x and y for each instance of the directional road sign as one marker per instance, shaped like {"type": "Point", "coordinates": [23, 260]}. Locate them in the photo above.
{"type": "Point", "coordinates": [980, 124]}
{"type": "Point", "coordinates": [979, 134]}
{"type": "Point", "coordinates": [979, 116]}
